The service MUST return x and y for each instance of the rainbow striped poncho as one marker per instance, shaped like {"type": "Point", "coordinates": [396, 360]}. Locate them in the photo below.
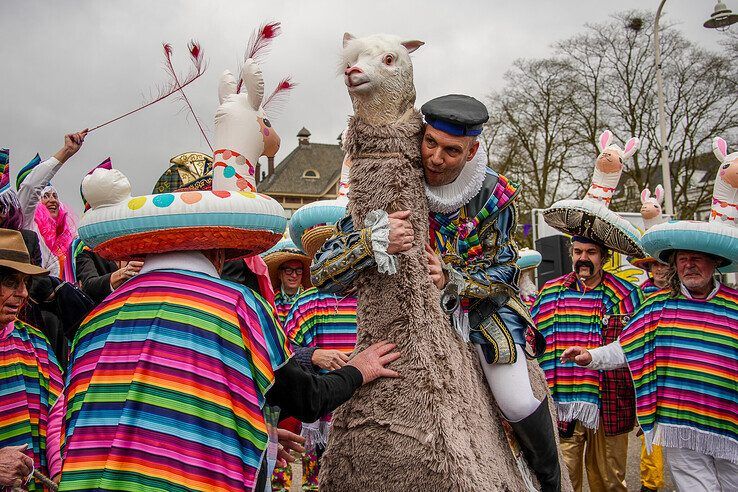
{"type": "Point", "coordinates": [568, 316]}
{"type": "Point", "coordinates": [167, 383]}
{"type": "Point", "coordinates": [30, 383]}
{"type": "Point", "coordinates": [322, 320]}
{"type": "Point", "coordinates": [683, 356]}
{"type": "Point", "coordinates": [648, 287]}
{"type": "Point", "coordinates": [284, 303]}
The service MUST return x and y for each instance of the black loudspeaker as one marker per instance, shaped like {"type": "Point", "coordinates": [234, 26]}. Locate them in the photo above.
{"type": "Point", "coordinates": [556, 259]}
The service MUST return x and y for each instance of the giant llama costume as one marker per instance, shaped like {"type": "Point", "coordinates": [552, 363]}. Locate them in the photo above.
{"type": "Point", "coordinates": [436, 428]}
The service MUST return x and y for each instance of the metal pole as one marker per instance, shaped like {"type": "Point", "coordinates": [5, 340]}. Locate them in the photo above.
{"type": "Point", "coordinates": [665, 167]}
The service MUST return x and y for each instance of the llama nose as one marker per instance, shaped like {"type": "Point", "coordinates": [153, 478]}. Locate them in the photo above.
{"type": "Point", "coordinates": [351, 70]}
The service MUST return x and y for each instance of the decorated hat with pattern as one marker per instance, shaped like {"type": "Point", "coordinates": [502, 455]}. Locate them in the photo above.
{"type": "Point", "coordinates": [591, 217]}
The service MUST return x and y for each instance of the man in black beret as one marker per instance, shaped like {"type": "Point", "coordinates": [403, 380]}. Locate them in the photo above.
{"type": "Point", "coordinates": [471, 259]}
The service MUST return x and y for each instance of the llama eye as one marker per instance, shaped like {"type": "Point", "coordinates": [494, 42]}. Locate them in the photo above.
{"type": "Point", "coordinates": [388, 59]}
{"type": "Point", "coordinates": [726, 165]}
{"type": "Point", "coordinates": [266, 123]}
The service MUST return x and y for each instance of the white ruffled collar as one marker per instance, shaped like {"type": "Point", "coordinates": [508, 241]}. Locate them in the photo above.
{"type": "Point", "coordinates": [451, 197]}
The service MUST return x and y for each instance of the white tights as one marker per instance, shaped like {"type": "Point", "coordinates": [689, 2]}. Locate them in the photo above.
{"type": "Point", "coordinates": [510, 386]}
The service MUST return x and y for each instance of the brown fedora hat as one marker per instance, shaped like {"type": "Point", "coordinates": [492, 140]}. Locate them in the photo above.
{"type": "Point", "coordinates": [14, 254]}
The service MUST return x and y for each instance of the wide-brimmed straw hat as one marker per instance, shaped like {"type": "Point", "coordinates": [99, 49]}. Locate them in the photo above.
{"type": "Point", "coordinates": [14, 254]}
{"type": "Point", "coordinates": [283, 252]}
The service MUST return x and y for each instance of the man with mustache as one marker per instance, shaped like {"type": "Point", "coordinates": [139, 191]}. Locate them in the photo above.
{"type": "Point", "coordinates": [596, 408]}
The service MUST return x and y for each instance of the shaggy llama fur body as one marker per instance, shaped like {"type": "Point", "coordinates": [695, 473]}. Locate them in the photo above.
{"type": "Point", "coordinates": [437, 428]}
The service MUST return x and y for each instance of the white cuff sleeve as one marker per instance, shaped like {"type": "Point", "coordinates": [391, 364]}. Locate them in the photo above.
{"type": "Point", "coordinates": [608, 357]}
{"type": "Point", "coordinates": [378, 222]}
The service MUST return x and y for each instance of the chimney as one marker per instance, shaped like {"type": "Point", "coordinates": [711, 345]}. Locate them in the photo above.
{"type": "Point", "coordinates": [303, 137]}
{"type": "Point", "coordinates": [257, 175]}
{"type": "Point", "coordinates": [270, 166]}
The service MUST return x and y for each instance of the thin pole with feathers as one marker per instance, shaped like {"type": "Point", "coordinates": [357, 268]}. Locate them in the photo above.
{"type": "Point", "coordinates": [200, 66]}
{"type": "Point", "coordinates": [197, 59]}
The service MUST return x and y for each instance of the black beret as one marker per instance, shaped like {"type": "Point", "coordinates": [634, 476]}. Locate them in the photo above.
{"type": "Point", "coordinates": [456, 114]}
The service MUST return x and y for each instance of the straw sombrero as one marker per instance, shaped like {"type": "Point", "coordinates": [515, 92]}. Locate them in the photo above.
{"type": "Point", "coordinates": [591, 216]}
{"type": "Point", "coordinates": [528, 259]}
{"type": "Point", "coordinates": [719, 235]}
{"type": "Point", "coordinates": [644, 264]}
{"type": "Point", "coordinates": [282, 252]}
{"type": "Point", "coordinates": [313, 223]}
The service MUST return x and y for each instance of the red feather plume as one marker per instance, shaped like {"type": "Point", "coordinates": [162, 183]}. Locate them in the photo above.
{"type": "Point", "coordinates": [259, 43]}
{"type": "Point", "coordinates": [174, 85]}
{"type": "Point", "coordinates": [277, 97]}
{"type": "Point", "coordinates": [261, 39]}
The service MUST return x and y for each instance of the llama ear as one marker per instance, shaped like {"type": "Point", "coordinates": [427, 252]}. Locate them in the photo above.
{"type": "Point", "coordinates": [645, 195]}
{"type": "Point", "coordinates": [226, 86]}
{"type": "Point", "coordinates": [254, 83]}
{"type": "Point", "coordinates": [720, 148]}
{"type": "Point", "coordinates": [412, 45]}
{"type": "Point", "coordinates": [631, 147]}
{"type": "Point", "coordinates": [659, 194]}
{"type": "Point", "coordinates": [347, 36]}
{"type": "Point", "coordinates": [605, 139]}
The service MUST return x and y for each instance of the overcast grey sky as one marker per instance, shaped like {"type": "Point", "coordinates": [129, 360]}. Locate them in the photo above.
{"type": "Point", "coordinates": [71, 64]}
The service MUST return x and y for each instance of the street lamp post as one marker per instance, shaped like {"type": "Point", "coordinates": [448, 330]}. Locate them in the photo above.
{"type": "Point", "coordinates": [665, 166]}
{"type": "Point", "coordinates": [721, 19]}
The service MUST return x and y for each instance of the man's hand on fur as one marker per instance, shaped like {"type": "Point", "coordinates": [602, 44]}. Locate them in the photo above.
{"type": "Point", "coordinates": [329, 360]}
{"type": "Point", "coordinates": [401, 234]}
{"type": "Point", "coordinates": [435, 269]}
{"type": "Point", "coordinates": [372, 360]}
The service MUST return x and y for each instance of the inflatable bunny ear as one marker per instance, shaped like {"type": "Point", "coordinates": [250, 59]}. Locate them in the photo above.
{"type": "Point", "coordinates": [720, 148]}
{"type": "Point", "coordinates": [631, 146]}
{"type": "Point", "coordinates": [604, 140]}
{"type": "Point", "coordinates": [254, 83]}
{"type": "Point", "coordinates": [645, 195]}
{"type": "Point", "coordinates": [226, 86]}
{"type": "Point", "coordinates": [659, 193]}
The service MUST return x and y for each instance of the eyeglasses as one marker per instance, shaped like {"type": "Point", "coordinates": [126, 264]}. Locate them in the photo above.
{"type": "Point", "coordinates": [292, 271]}
{"type": "Point", "coordinates": [13, 282]}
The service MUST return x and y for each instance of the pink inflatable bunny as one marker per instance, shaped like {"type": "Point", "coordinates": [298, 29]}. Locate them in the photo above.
{"type": "Point", "coordinates": [725, 195]}
{"type": "Point", "coordinates": [609, 167]}
{"type": "Point", "coordinates": [651, 206]}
